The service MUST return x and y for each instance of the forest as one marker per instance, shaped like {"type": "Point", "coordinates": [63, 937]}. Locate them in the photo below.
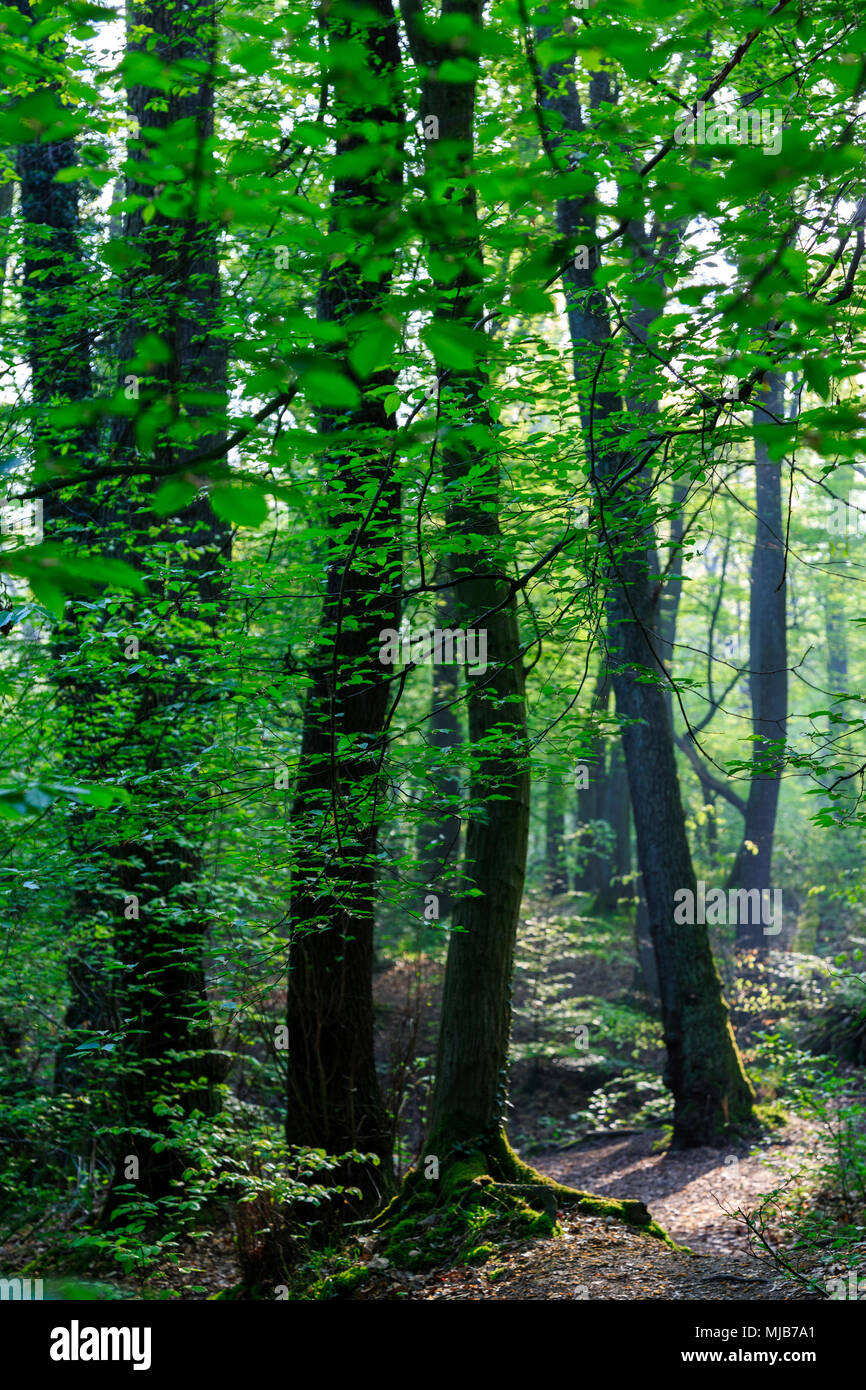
{"type": "Point", "coordinates": [432, 503]}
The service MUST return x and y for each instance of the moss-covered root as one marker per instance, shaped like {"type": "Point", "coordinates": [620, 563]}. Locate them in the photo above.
{"type": "Point", "coordinates": [481, 1197]}
{"type": "Point", "coordinates": [633, 1213]}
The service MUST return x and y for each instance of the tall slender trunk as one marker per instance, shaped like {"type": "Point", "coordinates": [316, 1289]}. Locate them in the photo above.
{"type": "Point", "coordinates": [469, 1093]}
{"type": "Point", "coordinates": [768, 675]}
{"type": "Point", "coordinates": [556, 870]}
{"type": "Point", "coordinates": [704, 1070]}
{"type": "Point", "coordinates": [334, 1097]}
{"type": "Point", "coordinates": [616, 814]}
{"type": "Point", "coordinates": [589, 872]}
{"type": "Point", "coordinates": [161, 922]}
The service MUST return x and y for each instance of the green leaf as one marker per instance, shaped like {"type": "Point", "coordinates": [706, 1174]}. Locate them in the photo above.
{"type": "Point", "coordinates": [330, 389]}
{"type": "Point", "coordinates": [239, 503]}
{"type": "Point", "coordinates": [173, 496]}
{"type": "Point", "coordinates": [372, 352]}
{"type": "Point", "coordinates": [817, 375]}
{"type": "Point", "coordinates": [52, 573]}
{"type": "Point", "coordinates": [150, 352]}
{"type": "Point", "coordinates": [455, 346]}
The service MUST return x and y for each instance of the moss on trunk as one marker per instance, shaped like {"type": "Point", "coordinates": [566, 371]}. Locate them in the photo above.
{"type": "Point", "coordinates": [481, 1197]}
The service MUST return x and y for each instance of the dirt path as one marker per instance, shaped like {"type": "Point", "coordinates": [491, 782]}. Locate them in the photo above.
{"type": "Point", "coordinates": [690, 1194]}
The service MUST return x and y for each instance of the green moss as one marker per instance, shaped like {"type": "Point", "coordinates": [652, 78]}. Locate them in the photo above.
{"type": "Point", "coordinates": [341, 1285]}
{"type": "Point", "coordinates": [662, 1144]}
{"type": "Point", "coordinates": [462, 1171]}
{"type": "Point", "coordinates": [485, 1198]}
{"type": "Point", "coordinates": [633, 1213]}
{"type": "Point", "coordinates": [479, 1254]}
{"type": "Point", "coordinates": [771, 1114]}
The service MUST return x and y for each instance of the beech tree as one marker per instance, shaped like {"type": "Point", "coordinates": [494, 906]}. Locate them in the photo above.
{"type": "Point", "coordinates": [323, 328]}
{"type": "Point", "coordinates": [704, 1070]}
{"type": "Point", "coordinates": [334, 1096]}
{"type": "Point", "coordinates": [469, 1093]}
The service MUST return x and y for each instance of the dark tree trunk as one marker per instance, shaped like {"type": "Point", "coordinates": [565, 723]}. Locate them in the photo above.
{"type": "Point", "coordinates": [704, 1070]}
{"type": "Point", "coordinates": [647, 973]}
{"type": "Point", "coordinates": [589, 873]}
{"type": "Point", "coordinates": [334, 1097]}
{"type": "Point", "coordinates": [161, 922]}
{"type": "Point", "coordinates": [469, 1095]}
{"type": "Point", "coordinates": [768, 676]}
{"type": "Point", "coordinates": [616, 813]}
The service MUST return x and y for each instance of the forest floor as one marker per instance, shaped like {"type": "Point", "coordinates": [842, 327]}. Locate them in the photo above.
{"type": "Point", "coordinates": [597, 1122]}
{"type": "Point", "coordinates": [594, 1258]}
{"type": "Point", "coordinates": [694, 1196]}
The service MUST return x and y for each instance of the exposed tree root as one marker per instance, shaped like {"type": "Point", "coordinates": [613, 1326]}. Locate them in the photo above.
{"type": "Point", "coordinates": [463, 1207]}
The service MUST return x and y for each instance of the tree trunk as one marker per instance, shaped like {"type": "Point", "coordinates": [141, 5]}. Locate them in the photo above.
{"type": "Point", "coordinates": [469, 1094]}
{"type": "Point", "coordinates": [768, 676]}
{"type": "Point", "coordinates": [334, 1098]}
{"type": "Point", "coordinates": [704, 1070]}
{"type": "Point", "coordinates": [616, 813]}
{"type": "Point", "coordinates": [438, 836]}
{"type": "Point", "coordinates": [589, 873]}
{"type": "Point", "coordinates": [647, 973]}
{"type": "Point", "coordinates": [556, 871]}
{"type": "Point", "coordinates": [173, 293]}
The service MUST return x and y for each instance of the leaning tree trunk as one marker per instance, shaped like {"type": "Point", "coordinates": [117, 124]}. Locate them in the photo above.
{"type": "Point", "coordinates": [704, 1071]}
{"type": "Point", "coordinates": [768, 676]}
{"type": "Point", "coordinates": [334, 1097]}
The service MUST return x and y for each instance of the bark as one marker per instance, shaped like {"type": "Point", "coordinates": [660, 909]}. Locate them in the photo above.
{"type": "Point", "coordinates": [647, 973]}
{"type": "Point", "coordinates": [334, 1097]}
{"type": "Point", "coordinates": [768, 674]}
{"type": "Point", "coordinates": [469, 1094]}
{"type": "Point", "coordinates": [174, 293]}
{"type": "Point", "coordinates": [704, 1071]}
{"type": "Point", "coordinates": [669, 601]}
{"type": "Point", "coordinates": [6, 192]}
{"type": "Point", "coordinates": [616, 813]}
